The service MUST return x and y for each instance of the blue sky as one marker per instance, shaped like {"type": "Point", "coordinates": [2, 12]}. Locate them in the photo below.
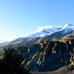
{"type": "Point", "coordinates": [18, 18]}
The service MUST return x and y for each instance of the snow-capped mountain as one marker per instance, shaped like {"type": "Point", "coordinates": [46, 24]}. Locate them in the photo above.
{"type": "Point", "coordinates": [49, 33]}
{"type": "Point", "coordinates": [48, 30]}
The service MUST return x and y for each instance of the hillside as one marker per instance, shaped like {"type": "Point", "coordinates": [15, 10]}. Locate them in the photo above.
{"type": "Point", "coordinates": [62, 70]}
{"type": "Point", "coordinates": [49, 53]}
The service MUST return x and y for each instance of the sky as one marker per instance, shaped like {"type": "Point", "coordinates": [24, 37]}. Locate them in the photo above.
{"type": "Point", "coordinates": [19, 18]}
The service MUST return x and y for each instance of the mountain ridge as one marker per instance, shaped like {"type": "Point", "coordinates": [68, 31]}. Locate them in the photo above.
{"type": "Point", "coordinates": [42, 53]}
{"type": "Point", "coordinates": [68, 29]}
{"type": "Point", "coordinates": [48, 30]}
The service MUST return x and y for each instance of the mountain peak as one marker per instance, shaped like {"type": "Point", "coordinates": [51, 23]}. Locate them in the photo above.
{"type": "Point", "coordinates": [42, 28]}
{"type": "Point", "coordinates": [47, 30]}
{"type": "Point", "coordinates": [68, 25]}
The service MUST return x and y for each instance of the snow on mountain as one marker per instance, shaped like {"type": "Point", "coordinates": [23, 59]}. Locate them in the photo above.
{"type": "Point", "coordinates": [67, 28]}
{"type": "Point", "coordinates": [47, 30]}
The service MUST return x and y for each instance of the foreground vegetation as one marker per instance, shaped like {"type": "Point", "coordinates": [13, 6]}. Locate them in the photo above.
{"type": "Point", "coordinates": [41, 57]}
{"type": "Point", "coordinates": [11, 62]}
